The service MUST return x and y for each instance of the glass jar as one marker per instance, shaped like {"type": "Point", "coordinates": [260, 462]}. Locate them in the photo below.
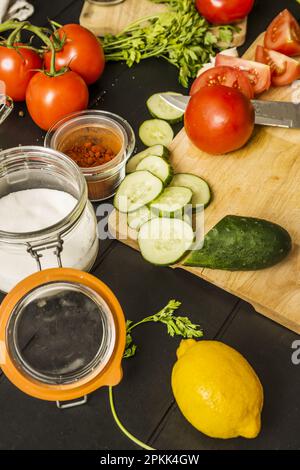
{"type": "Point", "coordinates": [70, 242]}
{"type": "Point", "coordinates": [62, 336]}
{"type": "Point", "coordinates": [102, 180]}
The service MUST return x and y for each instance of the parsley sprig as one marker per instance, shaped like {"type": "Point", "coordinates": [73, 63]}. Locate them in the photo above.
{"type": "Point", "coordinates": [176, 326]}
{"type": "Point", "coordinates": [181, 36]}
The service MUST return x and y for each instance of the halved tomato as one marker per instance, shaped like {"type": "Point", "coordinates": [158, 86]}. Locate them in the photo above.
{"type": "Point", "coordinates": [284, 69]}
{"type": "Point", "coordinates": [227, 76]}
{"type": "Point", "coordinates": [258, 74]}
{"type": "Point", "coordinates": [283, 34]}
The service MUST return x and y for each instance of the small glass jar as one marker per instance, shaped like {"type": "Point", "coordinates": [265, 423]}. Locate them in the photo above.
{"type": "Point", "coordinates": [102, 180]}
{"type": "Point", "coordinates": [70, 242]}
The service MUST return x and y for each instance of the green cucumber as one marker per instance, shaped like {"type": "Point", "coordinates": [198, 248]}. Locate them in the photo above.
{"type": "Point", "coordinates": [158, 150]}
{"type": "Point", "coordinates": [156, 131]}
{"type": "Point", "coordinates": [198, 186]}
{"type": "Point", "coordinates": [242, 244]}
{"type": "Point", "coordinates": [171, 202]}
{"type": "Point", "coordinates": [159, 109]}
{"type": "Point", "coordinates": [158, 167]}
{"type": "Point", "coordinates": [164, 241]}
{"type": "Point", "coordinates": [137, 218]}
{"type": "Point", "coordinates": [137, 190]}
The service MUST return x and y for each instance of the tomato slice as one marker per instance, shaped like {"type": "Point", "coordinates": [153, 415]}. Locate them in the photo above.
{"type": "Point", "coordinates": [223, 75]}
{"type": "Point", "coordinates": [283, 34]}
{"type": "Point", "coordinates": [258, 74]}
{"type": "Point", "coordinates": [284, 69]}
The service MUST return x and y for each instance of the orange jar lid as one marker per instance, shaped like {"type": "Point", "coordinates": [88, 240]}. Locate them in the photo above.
{"type": "Point", "coordinates": [62, 335]}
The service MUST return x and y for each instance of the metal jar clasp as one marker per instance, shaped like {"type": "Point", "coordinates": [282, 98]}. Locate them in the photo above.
{"type": "Point", "coordinates": [35, 250]}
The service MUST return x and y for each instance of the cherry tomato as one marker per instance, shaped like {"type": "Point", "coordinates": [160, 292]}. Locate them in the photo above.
{"type": "Point", "coordinates": [258, 74]}
{"type": "Point", "coordinates": [227, 76]}
{"type": "Point", "coordinates": [17, 66]}
{"type": "Point", "coordinates": [82, 53]}
{"type": "Point", "coordinates": [283, 34]}
{"type": "Point", "coordinates": [284, 69]}
{"type": "Point", "coordinates": [219, 119]}
{"type": "Point", "coordinates": [49, 98]}
{"type": "Point", "coordinates": [224, 11]}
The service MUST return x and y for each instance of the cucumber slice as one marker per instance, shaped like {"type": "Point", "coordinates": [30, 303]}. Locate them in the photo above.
{"type": "Point", "coordinates": [171, 202]}
{"type": "Point", "coordinates": [164, 241]}
{"type": "Point", "coordinates": [198, 186]}
{"type": "Point", "coordinates": [137, 218]}
{"type": "Point", "coordinates": [137, 190]}
{"type": "Point", "coordinates": [158, 167]}
{"type": "Point", "coordinates": [158, 150]}
{"type": "Point", "coordinates": [159, 109]}
{"type": "Point", "coordinates": [156, 131]}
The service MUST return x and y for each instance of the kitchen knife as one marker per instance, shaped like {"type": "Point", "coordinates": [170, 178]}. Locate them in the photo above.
{"type": "Point", "coordinates": [267, 113]}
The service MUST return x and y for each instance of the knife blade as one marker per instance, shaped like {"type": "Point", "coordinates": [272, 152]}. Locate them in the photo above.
{"type": "Point", "coordinates": [267, 113]}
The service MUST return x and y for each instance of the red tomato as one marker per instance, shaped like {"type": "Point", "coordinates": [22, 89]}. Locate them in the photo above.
{"type": "Point", "coordinates": [17, 67]}
{"type": "Point", "coordinates": [49, 98]}
{"type": "Point", "coordinates": [258, 74]}
{"type": "Point", "coordinates": [283, 34]}
{"type": "Point", "coordinates": [227, 76]}
{"type": "Point", "coordinates": [284, 69]}
{"type": "Point", "coordinates": [82, 53]}
{"type": "Point", "coordinates": [219, 119]}
{"type": "Point", "coordinates": [224, 11]}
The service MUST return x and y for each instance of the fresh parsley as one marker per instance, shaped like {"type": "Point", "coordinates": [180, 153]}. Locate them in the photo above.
{"type": "Point", "coordinates": [176, 326]}
{"type": "Point", "coordinates": [181, 36]}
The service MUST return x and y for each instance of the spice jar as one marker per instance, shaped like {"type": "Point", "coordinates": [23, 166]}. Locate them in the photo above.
{"type": "Point", "coordinates": [62, 336]}
{"type": "Point", "coordinates": [45, 216]}
{"type": "Point", "coordinates": [98, 128]}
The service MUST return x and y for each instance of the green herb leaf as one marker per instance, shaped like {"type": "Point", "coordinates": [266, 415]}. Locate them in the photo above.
{"type": "Point", "coordinates": [176, 326]}
{"type": "Point", "coordinates": [182, 37]}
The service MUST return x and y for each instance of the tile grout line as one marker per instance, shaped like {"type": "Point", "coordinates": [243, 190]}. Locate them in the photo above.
{"type": "Point", "coordinates": [105, 253]}
{"type": "Point", "coordinates": [65, 8]}
{"type": "Point", "coordinates": [227, 322]}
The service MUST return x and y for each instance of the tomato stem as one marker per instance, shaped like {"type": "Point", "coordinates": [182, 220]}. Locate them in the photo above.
{"type": "Point", "coordinates": [10, 24]}
{"type": "Point", "coordinates": [54, 23]}
{"type": "Point", "coordinates": [12, 38]}
{"type": "Point", "coordinates": [46, 40]}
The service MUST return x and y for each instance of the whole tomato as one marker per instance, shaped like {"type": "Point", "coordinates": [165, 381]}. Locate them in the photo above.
{"type": "Point", "coordinates": [82, 53]}
{"type": "Point", "coordinates": [50, 98]}
{"type": "Point", "coordinates": [219, 119]}
{"type": "Point", "coordinates": [17, 66]}
{"type": "Point", "coordinates": [224, 11]}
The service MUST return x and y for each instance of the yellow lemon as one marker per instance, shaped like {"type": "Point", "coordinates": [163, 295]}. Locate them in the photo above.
{"type": "Point", "coordinates": [217, 390]}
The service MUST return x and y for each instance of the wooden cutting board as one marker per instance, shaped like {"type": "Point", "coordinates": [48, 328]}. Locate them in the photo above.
{"type": "Point", "coordinates": [113, 19]}
{"type": "Point", "coordinates": [260, 180]}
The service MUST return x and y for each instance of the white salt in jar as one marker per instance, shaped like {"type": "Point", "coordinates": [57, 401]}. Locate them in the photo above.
{"type": "Point", "coordinates": [46, 219]}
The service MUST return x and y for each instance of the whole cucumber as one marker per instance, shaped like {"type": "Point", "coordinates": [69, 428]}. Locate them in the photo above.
{"type": "Point", "coordinates": [242, 244]}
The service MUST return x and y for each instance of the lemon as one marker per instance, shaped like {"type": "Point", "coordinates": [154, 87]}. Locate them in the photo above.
{"type": "Point", "coordinates": [217, 390]}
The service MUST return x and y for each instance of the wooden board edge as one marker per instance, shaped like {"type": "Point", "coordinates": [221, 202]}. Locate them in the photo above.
{"type": "Point", "coordinates": [86, 19]}
{"type": "Point", "coordinates": [116, 225]}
